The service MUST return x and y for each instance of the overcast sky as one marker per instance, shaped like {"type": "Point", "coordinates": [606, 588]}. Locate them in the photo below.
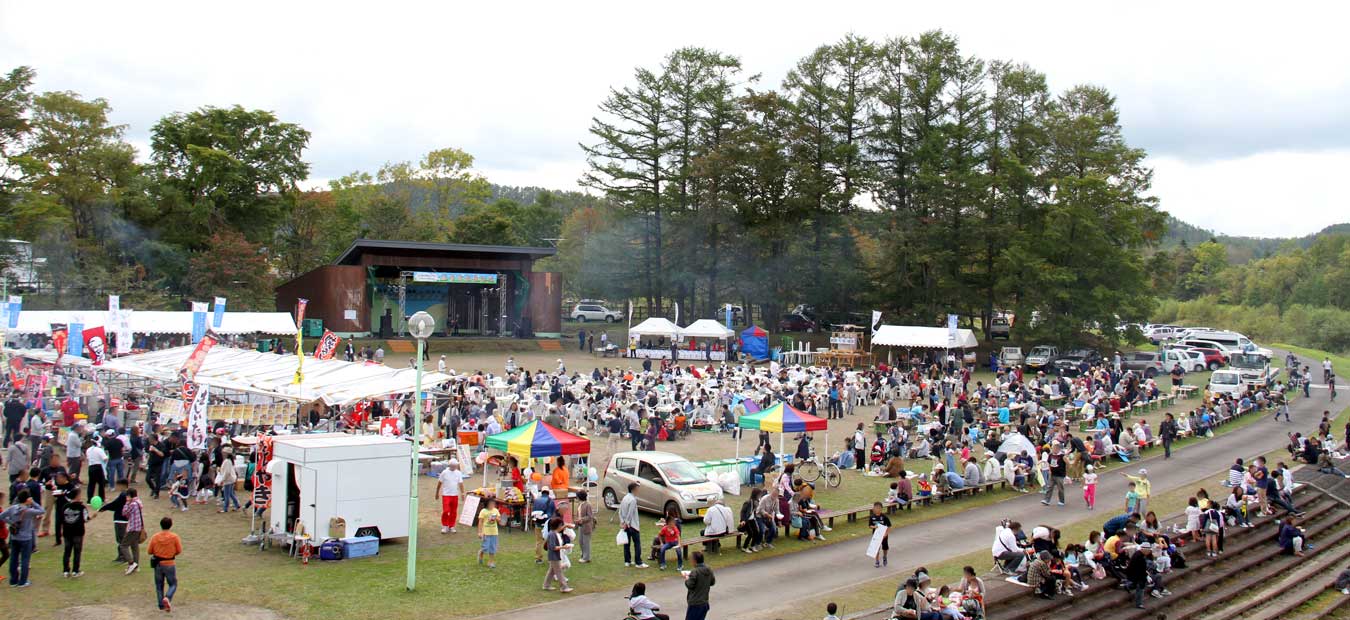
{"type": "Point", "coordinates": [1244, 109]}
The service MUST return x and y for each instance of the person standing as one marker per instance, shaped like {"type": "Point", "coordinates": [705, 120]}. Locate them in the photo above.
{"type": "Point", "coordinates": [22, 519]}
{"type": "Point", "coordinates": [19, 455]}
{"type": "Point", "coordinates": [73, 516]}
{"type": "Point", "coordinates": [131, 540]}
{"type": "Point", "coordinates": [447, 487]}
{"type": "Point", "coordinates": [1168, 431]}
{"type": "Point", "coordinates": [585, 526]}
{"type": "Point", "coordinates": [14, 413]}
{"type": "Point", "coordinates": [581, 340]}
{"type": "Point", "coordinates": [115, 468]}
{"type": "Point", "coordinates": [860, 448]}
{"type": "Point", "coordinates": [628, 521]}
{"type": "Point", "coordinates": [1057, 472]}
{"type": "Point", "coordinates": [227, 476]}
{"type": "Point", "coordinates": [1143, 487]}
{"type": "Point", "coordinates": [97, 458]}
{"type": "Point", "coordinates": [116, 506]}
{"type": "Point", "coordinates": [699, 582]}
{"type": "Point", "coordinates": [75, 449]}
{"type": "Point", "coordinates": [164, 549]}
{"type": "Point", "coordinates": [488, 519]}
{"type": "Point", "coordinates": [555, 542]}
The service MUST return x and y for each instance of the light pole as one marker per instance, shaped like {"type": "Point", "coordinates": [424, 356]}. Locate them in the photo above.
{"type": "Point", "coordinates": [420, 325]}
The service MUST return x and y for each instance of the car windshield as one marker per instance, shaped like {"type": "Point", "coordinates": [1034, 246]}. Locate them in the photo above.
{"type": "Point", "coordinates": [1041, 351]}
{"type": "Point", "coordinates": [682, 472]}
{"type": "Point", "coordinates": [1247, 360]}
{"type": "Point", "coordinates": [1224, 378]}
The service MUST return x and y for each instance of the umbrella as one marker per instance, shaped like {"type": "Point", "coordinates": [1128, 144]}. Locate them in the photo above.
{"type": "Point", "coordinates": [536, 440]}
{"type": "Point", "coordinates": [783, 418]}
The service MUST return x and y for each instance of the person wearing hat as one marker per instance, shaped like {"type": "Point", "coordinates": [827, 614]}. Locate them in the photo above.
{"type": "Point", "coordinates": [115, 469]}
{"type": "Point", "coordinates": [1137, 574]}
{"type": "Point", "coordinates": [1142, 487]}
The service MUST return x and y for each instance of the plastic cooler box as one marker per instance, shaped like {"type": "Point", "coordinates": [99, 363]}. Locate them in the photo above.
{"type": "Point", "coordinates": [360, 547]}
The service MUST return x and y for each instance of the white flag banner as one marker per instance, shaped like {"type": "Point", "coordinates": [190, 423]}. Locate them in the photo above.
{"type": "Point", "coordinates": [951, 330]}
{"type": "Point", "coordinates": [197, 430]}
{"type": "Point", "coordinates": [876, 322]}
{"type": "Point", "coordinates": [114, 303]}
{"type": "Point", "coordinates": [122, 327]}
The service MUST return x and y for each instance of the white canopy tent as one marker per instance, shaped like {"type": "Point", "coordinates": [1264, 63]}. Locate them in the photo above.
{"type": "Point", "coordinates": [335, 382]}
{"type": "Point", "coordinates": [707, 328]}
{"type": "Point", "coordinates": [923, 337]}
{"type": "Point", "coordinates": [158, 322]}
{"type": "Point", "coordinates": [655, 326]}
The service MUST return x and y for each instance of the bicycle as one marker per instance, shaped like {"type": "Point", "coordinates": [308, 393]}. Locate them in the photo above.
{"type": "Point", "coordinates": [812, 469]}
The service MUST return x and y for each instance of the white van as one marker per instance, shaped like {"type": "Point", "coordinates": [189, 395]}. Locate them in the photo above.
{"type": "Point", "coordinates": [1228, 343]}
{"type": "Point", "coordinates": [1226, 381]}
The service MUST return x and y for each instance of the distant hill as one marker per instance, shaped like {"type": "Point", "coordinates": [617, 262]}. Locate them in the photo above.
{"type": "Point", "coordinates": [1240, 249]}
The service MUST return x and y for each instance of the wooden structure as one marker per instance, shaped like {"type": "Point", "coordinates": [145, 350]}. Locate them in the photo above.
{"type": "Point", "coordinates": [847, 348]}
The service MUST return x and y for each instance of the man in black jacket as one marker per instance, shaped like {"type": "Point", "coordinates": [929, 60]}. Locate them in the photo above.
{"type": "Point", "coordinates": [1168, 431]}
{"type": "Point", "coordinates": [14, 412]}
{"type": "Point", "coordinates": [1136, 571]}
{"type": "Point", "coordinates": [699, 582]}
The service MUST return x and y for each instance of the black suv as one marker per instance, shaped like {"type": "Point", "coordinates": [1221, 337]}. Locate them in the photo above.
{"type": "Point", "coordinates": [1071, 363]}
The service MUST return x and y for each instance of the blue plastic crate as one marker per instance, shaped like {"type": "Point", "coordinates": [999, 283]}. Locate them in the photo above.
{"type": "Point", "coordinates": [360, 546]}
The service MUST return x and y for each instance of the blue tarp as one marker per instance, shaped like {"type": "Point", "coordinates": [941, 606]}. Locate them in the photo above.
{"type": "Point", "coordinates": [755, 343]}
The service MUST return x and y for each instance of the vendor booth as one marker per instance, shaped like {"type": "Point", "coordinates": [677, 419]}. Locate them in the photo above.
{"type": "Point", "coordinates": [755, 343]}
{"type": "Point", "coordinates": [657, 328]}
{"type": "Point", "coordinates": [708, 329]}
{"type": "Point", "coordinates": [536, 440]}
{"type": "Point", "coordinates": [782, 418]}
{"type": "Point", "coordinates": [337, 485]}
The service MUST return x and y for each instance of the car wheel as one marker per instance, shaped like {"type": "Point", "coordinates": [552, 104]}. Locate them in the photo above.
{"type": "Point", "coordinates": [1198, 368]}
{"type": "Point", "coordinates": [1150, 373]}
{"type": "Point", "coordinates": [1213, 365]}
{"type": "Point", "coordinates": [611, 500]}
{"type": "Point", "coordinates": [581, 318]}
{"type": "Point", "coordinates": [610, 319]}
{"type": "Point", "coordinates": [672, 506]}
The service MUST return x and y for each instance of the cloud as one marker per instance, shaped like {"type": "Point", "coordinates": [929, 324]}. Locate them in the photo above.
{"type": "Point", "coordinates": [516, 84]}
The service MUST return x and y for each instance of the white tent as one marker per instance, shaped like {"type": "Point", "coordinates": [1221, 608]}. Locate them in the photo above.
{"type": "Point", "coordinates": [158, 322]}
{"type": "Point", "coordinates": [1016, 443]}
{"type": "Point", "coordinates": [707, 328]}
{"type": "Point", "coordinates": [335, 382]}
{"type": "Point", "coordinates": [923, 337]}
{"type": "Point", "coordinates": [655, 326]}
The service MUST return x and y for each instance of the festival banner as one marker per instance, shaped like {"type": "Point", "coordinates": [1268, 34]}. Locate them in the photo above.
{"type": "Point", "coordinates": [876, 322]}
{"type": "Point", "coordinates": [59, 338]}
{"type": "Point", "coordinates": [96, 344]}
{"type": "Point", "coordinates": [114, 304]}
{"type": "Point", "coordinates": [299, 341]}
{"type": "Point", "coordinates": [951, 330]}
{"type": "Point", "coordinates": [328, 346]}
{"type": "Point", "coordinates": [18, 374]}
{"type": "Point", "coordinates": [188, 372]}
{"type": "Point", "coordinates": [197, 430]}
{"type": "Point", "coordinates": [218, 313]}
{"type": "Point", "coordinates": [15, 306]}
{"type": "Point", "coordinates": [123, 330]}
{"type": "Point", "coordinates": [198, 320]}
{"type": "Point", "coordinates": [75, 340]}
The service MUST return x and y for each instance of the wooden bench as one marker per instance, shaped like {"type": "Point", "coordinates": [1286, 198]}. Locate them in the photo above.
{"type": "Point", "coordinates": [685, 543]}
{"type": "Point", "coordinates": [851, 514]}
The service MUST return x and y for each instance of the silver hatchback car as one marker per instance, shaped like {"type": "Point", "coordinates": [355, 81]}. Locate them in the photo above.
{"type": "Point", "coordinates": [664, 480]}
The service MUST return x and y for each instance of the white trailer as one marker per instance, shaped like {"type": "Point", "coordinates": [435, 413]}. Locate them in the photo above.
{"type": "Point", "coordinates": [362, 479]}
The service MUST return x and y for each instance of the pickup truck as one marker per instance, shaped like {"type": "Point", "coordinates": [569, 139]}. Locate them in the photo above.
{"type": "Point", "coordinates": [1042, 357]}
{"type": "Point", "coordinates": [1011, 356]}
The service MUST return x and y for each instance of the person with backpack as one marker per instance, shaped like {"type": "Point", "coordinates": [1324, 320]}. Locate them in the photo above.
{"type": "Point", "coordinates": [73, 515]}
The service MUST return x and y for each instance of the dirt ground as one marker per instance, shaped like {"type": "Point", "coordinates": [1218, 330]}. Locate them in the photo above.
{"type": "Point", "coordinates": [198, 611]}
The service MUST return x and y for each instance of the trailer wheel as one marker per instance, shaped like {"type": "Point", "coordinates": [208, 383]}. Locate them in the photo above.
{"type": "Point", "coordinates": [369, 530]}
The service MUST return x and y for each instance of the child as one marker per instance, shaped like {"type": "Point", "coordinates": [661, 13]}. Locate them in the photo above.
{"type": "Point", "coordinates": [925, 487]}
{"type": "Point", "coordinates": [1090, 488]}
{"type": "Point", "coordinates": [670, 539]}
{"type": "Point", "coordinates": [488, 519]}
{"type": "Point", "coordinates": [642, 607]}
{"type": "Point", "coordinates": [1131, 500]}
{"type": "Point", "coordinates": [1193, 518]}
{"type": "Point", "coordinates": [893, 496]}
{"type": "Point", "coordinates": [875, 520]}
{"type": "Point", "coordinates": [179, 493]}
{"type": "Point", "coordinates": [947, 605]}
{"type": "Point", "coordinates": [831, 611]}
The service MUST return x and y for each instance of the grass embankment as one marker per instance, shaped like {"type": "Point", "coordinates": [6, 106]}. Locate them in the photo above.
{"type": "Point", "coordinates": [1339, 363]}
{"type": "Point", "coordinates": [879, 591]}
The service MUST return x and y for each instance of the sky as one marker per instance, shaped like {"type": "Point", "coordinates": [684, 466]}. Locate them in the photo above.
{"type": "Point", "coordinates": [1242, 107]}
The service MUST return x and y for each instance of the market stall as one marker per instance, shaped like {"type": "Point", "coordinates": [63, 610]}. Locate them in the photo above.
{"type": "Point", "coordinates": [537, 440]}
{"type": "Point", "coordinates": [710, 330]}
{"type": "Point", "coordinates": [657, 327]}
{"type": "Point", "coordinates": [782, 418]}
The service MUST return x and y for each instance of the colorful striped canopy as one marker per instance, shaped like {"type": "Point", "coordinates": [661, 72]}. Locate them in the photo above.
{"type": "Point", "coordinates": [782, 418]}
{"type": "Point", "coordinates": [538, 440]}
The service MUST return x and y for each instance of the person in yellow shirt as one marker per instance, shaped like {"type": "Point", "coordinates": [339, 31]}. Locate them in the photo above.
{"type": "Point", "coordinates": [1142, 487]}
{"type": "Point", "coordinates": [488, 518]}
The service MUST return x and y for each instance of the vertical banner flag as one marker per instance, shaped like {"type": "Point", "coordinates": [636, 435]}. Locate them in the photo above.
{"type": "Point", "coordinates": [75, 340]}
{"type": "Point", "coordinates": [728, 316]}
{"type": "Point", "coordinates": [18, 374]}
{"type": "Point", "coordinates": [197, 425]}
{"type": "Point", "coordinates": [188, 371]}
{"type": "Point", "coordinates": [15, 306]}
{"type": "Point", "coordinates": [677, 313]}
{"type": "Point", "coordinates": [328, 346]}
{"type": "Point", "coordinates": [123, 330]}
{"type": "Point", "coordinates": [198, 320]}
{"type": "Point", "coordinates": [951, 330]}
{"type": "Point", "coordinates": [876, 322]}
{"type": "Point", "coordinates": [299, 341]}
{"type": "Point", "coordinates": [96, 343]}
{"type": "Point", "coordinates": [218, 313]}
{"type": "Point", "coordinates": [59, 338]}
{"type": "Point", "coordinates": [630, 314]}
{"type": "Point", "coordinates": [114, 304]}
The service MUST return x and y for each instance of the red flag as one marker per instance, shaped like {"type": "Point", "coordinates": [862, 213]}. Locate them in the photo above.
{"type": "Point", "coordinates": [96, 345]}
{"type": "Point", "coordinates": [194, 362]}
{"type": "Point", "coordinates": [328, 345]}
{"type": "Point", "coordinates": [300, 312]}
{"type": "Point", "coordinates": [189, 393]}
{"type": "Point", "coordinates": [60, 340]}
{"type": "Point", "coordinates": [18, 375]}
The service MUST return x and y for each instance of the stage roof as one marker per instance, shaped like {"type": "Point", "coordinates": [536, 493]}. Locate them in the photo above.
{"type": "Point", "coordinates": [423, 248]}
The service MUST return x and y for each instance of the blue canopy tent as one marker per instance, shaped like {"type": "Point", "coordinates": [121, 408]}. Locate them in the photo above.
{"type": "Point", "coordinates": [755, 343]}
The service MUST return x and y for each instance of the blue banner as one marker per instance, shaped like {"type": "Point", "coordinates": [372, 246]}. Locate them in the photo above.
{"type": "Point", "coordinates": [198, 326]}
{"type": "Point", "coordinates": [75, 341]}
{"type": "Point", "coordinates": [15, 306]}
{"type": "Point", "coordinates": [218, 313]}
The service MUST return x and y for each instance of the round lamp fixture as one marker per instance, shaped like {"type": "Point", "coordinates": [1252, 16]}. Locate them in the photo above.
{"type": "Point", "coordinates": [421, 325]}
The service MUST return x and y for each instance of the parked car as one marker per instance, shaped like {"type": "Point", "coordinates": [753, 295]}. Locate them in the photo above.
{"type": "Point", "coordinates": [796, 323]}
{"type": "Point", "coordinates": [1041, 357]}
{"type": "Point", "coordinates": [1193, 361]}
{"type": "Point", "coordinates": [665, 481]}
{"type": "Point", "coordinates": [1011, 356]}
{"type": "Point", "coordinates": [999, 327]}
{"type": "Point", "coordinates": [593, 312]}
{"type": "Point", "coordinates": [1214, 358]}
{"type": "Point", "coordinates": [1071, 363]}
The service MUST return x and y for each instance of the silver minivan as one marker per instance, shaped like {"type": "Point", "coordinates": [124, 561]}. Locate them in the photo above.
{"type": "Point", "coordinates": [665, 481]}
